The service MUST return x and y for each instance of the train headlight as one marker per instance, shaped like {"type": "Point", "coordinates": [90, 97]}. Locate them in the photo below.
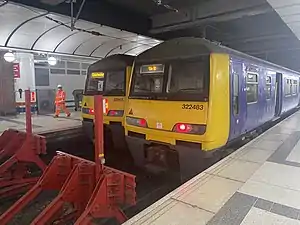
{"type": "Point", "coordinates": [116, 113]}
{"type": "Point", "coordinates": [189, 128]}
{"type": "Point", "coordinates": [136, 121]}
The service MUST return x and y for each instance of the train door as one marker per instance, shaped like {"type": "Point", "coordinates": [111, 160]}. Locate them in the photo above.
{"type": "Point", "coordinates": [278, 94]}
{"type": "Point", "coordinates": [237, 107]}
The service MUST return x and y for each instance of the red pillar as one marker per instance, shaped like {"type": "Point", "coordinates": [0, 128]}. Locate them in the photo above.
{"type": "Point", "coordinates": [98, 129]}
{"type": "Point", "coordinates": [28, 112]}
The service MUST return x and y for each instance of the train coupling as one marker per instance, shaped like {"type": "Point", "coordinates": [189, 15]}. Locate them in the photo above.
{"type": "Point", "coordinates": [160, 159]}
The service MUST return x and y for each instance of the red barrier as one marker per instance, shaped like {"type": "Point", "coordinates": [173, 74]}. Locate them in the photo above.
{"type": "Point", "coordinates": [86, 197]}
{"type": "Point", "coordinates": [87, 189]}
{"type": "Point", "coordinates": [18, 152]}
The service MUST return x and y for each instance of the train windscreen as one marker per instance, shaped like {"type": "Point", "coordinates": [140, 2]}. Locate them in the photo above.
{"type": "Point", "coordinates": [106, 83]}
{"type": "Point", "coordinates": [175, 80]}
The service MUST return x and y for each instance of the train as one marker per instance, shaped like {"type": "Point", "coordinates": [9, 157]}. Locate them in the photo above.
{"type": "Point", "coordinates": [190, 98]}
{"type": "Point", "coordinates": [108, 77]}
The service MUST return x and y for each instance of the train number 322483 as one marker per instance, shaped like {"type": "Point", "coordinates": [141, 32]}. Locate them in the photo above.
{"type": "Point", "coordinates": [192, 107]}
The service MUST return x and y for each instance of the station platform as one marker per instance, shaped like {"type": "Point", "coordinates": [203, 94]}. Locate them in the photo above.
{"type": "Point", "coordinates": [257, 184]}
{"type": "Point", "coordinates": [41, 123]}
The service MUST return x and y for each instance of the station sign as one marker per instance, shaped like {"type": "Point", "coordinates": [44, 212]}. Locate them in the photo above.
{"type": "Point", "coordinates": [16, 70]}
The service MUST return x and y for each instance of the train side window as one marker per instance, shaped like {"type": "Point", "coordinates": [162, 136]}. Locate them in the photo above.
{"type": "Point", "coordinates": [268, 87]}
{"type": "Point", "coordinates": [288, 87]}
{"type": "Point", "coordinates": [295, 87]}
{"type": "Point", "coordinates": [252, 87]}
{"type": "Point", "coordinates": [236, 93]}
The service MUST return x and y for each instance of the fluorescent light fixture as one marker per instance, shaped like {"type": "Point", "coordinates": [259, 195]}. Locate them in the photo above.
{"type": "Point", "coordinates": [52, 61]}
{"type": "Point", "coordinates": [9, 57]}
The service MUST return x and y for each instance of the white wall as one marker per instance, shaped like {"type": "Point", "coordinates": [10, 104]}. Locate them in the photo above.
{"type": "Point", "coordinates": [69, 72]}
{"type": "Point", "coordinates": [69, 83]}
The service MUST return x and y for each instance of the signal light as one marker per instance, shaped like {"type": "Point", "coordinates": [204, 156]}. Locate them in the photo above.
{"type": "Point", "coordinates": [139, 122]}
{"type": "Point", "coordinates": [189, 128]}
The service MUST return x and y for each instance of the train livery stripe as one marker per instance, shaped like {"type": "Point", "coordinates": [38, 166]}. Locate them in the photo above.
{"type": "Point", "coordinates": [218, 119]}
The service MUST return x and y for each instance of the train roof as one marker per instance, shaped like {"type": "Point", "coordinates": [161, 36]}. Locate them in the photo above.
{"type": "Point", "coordinates": [188, 47]}
{"type": "Point", "coordinates": [117, 61]}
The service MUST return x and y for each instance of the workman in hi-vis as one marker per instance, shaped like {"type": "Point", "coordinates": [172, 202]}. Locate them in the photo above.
{"type": "Point", "coordinates": [60, 102]}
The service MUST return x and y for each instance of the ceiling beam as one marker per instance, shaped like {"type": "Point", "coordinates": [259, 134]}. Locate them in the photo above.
{"type": "Point", "coordinates": [209, 12]}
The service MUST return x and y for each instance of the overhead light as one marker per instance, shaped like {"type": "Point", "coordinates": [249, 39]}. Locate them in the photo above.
{"type": "Point", "coordinates": [9, 57]}
{"type": "Point", "coordinates": [52, 61]}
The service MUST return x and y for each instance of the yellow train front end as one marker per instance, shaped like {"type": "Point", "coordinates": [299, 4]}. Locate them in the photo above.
{"type": "Point", "coordinates": [178, 108]}
{"type": "Point", "coordinates": [110, 78]}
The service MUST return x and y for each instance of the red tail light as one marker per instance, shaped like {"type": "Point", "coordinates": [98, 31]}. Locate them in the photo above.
{"type": "Point", "coordinates": [189, 128]}
{"type": "Point", "coordinates": [183, 128]}
{"type": "Point", "coordinates": [142, 122]}
{"type": "Point", "coordinates": [91, 111]}
{"type": "Point", "coordinates": [116, 113]}
{"type": "Point", "coordinates": [112, 112]}
{"type": "Point", "coordinates": [136, 122]}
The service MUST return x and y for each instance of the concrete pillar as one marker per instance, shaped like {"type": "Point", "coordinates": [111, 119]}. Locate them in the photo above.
{"type": "Point", "coordinates": [7, 96]}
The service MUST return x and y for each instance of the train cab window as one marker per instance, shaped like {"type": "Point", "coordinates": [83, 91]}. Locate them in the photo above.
{"type": "Point", "coordinates": [115, 83]}
{"type": "Point", "coordinates": [111, 83]}
{"type": "Point", "coordinates": [268, 87]}
{"type": "Point", "coordinates": [94, 84]}
{"type": "Point", "coordinates": [174, 80]}
{"type": "Point", "coordinates": [252, 87]}
{"type": "Point", "coordinates": [236, 93]}
{"type": "Point", "coordinates": [146, 83]}
{"type": "Point", "coordinates": [186, 77]}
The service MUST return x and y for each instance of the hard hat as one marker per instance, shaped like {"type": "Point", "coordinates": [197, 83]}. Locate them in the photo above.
{"type": "Point", "coordinates": [59, 86]}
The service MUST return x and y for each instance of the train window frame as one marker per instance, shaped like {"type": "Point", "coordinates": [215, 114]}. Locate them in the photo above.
{"type": "Point", "coordinates": [268, 87]}
{"type": "Point", "coordinates": [252, 83]}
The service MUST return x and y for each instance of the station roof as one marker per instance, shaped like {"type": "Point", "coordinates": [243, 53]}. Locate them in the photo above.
{"type": "Point", "coordinates": [268, 29]}
{"type": "Point", "coordinates": [28, 28]}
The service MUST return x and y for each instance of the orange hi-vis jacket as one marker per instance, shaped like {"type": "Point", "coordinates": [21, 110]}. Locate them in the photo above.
{"type": "Point", "coordinates": [60, 97]}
